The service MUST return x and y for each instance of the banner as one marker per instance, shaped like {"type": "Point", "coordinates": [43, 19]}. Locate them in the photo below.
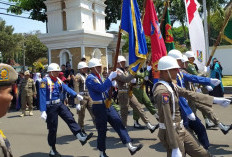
{"type": "Point", "coordinates": [131, 24]}
{"type": "Point", "coordinates": [152, 29]}
{"type": "Point", "coordinates": [196, 32]}
{"type": "Point", "coordinates": [167, 32]}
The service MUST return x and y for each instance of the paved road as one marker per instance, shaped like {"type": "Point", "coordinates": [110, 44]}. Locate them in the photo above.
{"type": "Point", "coordinates": [28, 137]}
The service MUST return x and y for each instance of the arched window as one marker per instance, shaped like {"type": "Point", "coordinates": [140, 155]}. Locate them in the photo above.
{"type": "Point", "coordinates": [97, 53]}
{"type": "Point", "coordinates": [65, 56]}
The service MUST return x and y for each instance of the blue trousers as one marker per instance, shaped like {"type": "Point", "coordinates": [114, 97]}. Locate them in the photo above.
{"type": "Point", "coordinates": [104, 115]}
{"type": "Point", "coordinates": [199, 129]}
{"type": "Point", "coordinates": [53, 110]}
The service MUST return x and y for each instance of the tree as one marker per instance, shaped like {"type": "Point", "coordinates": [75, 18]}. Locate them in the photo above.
{"type": "Point", "coordinates": [34, 49]}
{"type": "Point", "coordinates": [8, 41]}
{"type": "Point", "coordinates": [36, 7]}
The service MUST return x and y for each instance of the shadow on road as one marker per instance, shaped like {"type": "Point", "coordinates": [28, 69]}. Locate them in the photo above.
{"type": "Point", "coordinates": [17, 116]}
{"type": "Point", "coordinates": [65, 139]}
{"type": "Point", "coordinates": [158, 147]}
{"type": "Point", "coordinates": [39, 154]}
{"type": "Point", "coordinates": [218, 149]}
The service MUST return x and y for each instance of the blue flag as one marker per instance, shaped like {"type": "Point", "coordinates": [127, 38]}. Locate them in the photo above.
{"type": "Point", "coordinates": [131, 24]}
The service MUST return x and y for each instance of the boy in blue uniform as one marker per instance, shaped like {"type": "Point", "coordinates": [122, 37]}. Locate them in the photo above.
{"type": "Point", "coordinates": [98, 92]}
{"type": "Point", "coordinates": [50, 105]}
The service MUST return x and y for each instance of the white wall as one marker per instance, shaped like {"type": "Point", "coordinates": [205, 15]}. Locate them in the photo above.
{"type": "Point", "coordinates": [224, 55]}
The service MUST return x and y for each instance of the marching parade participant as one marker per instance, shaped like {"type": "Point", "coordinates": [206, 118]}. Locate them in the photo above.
{"type": "Point", "coordinates": [80, 87]}
{"type": "Point", "coordinates": [51, 107]}
{"type": "Point", "coordinates": [126, 97]}
{"type": "Point", "coordinates": [172, 133]}
{"type": "Point", "coordinates": [104, 113]}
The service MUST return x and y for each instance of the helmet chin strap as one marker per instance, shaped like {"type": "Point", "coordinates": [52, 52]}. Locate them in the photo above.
{"type": "Point", "coordinates": [52, 73]}
{"type": "Point", "coordinates": [96, 70]}
{"type": "Point", "coordinates": [120, 64]}
{"type": "Point", "coordinates": [169, 75]}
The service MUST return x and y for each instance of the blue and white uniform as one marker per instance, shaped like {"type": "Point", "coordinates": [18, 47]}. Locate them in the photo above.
{"type": "Point", "coordinates": [50, 102]}
{"type": "Point", "coordinates": [98, 92]}
{"type": "Point", "coordinates": [195, 125]}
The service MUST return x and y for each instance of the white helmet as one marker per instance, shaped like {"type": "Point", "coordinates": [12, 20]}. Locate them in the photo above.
{"type": "Point", "coordinates": [175, 54]}
{"type": "Point", "coordinates": [82, 65]}
{"type": "Point", "coordinates": [167, 62]}
{"type": "Point", "coordinates": [190, 54]}
{"type": "Point", "coordinates": [121, 59]}
{"type": "Point", "coordinates": [184, 59]}
{"type": "Point", "coordinates": [53, 67]}
{"type": "Point", "coordinates": [94, 62]}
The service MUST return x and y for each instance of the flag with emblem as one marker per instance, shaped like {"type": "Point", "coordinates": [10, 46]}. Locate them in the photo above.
{"type": "Point", "coordinates": [196, 32]}
{"type": "Point", "coordinates": [152, 29]}
{"type": "Point", "coordinates": [131, 25]}
{"type": "Point", "coordinates": [167, 32]}
{"type": "Point", "coordinates": [227, 32]}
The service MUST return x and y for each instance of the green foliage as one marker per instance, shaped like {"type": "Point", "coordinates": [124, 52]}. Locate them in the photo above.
{"type": "Point", "coordinates": [36, 7]}
{"type": "Point", "coordinates": [39, 64]}
{"type": "Point", "coordinates": [34, 49]}
{"type": "Point", "coordinates": [8, 41]}
{"type": "Point", "coordinates": [180, 47]}
{"type": "Point", "coordinates": [178, 34]}
{"type": "Point", "coordinates": [13, 45]}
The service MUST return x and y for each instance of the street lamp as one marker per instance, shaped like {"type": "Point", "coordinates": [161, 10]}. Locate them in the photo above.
{"type": "Point", "coordinates": [1, 59]}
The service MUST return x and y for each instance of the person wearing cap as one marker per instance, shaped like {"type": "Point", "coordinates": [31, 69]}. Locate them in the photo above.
{"type": "Point", "coordinates": [8, 76]}
{"type": "Point", "coordinates": [98, 91]}
{"type": "Point", "coordinates": [51, 107]}
{"type": "Point", "coordinates": [80, 87]}
{"type": "Point", "coordinates": [192, 67]}
{"type": "Point", "coordinates": [172, 134]}
{"type": "Point", "coordinates": [27, 91]}
{"type": "Point", "coordinates": [126, 96]}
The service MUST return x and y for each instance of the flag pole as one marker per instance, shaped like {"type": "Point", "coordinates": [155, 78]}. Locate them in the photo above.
{"type": "Point", "coordinates": [206, 31]}
{"type": "Point", "coordinates": [220, 34]}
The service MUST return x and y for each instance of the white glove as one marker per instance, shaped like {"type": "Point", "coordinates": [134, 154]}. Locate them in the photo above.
{"type": "Point", "coordinates": [79, 97]}
{"type": "Point", "coordinates": [133, 80]}
{"type": "Point", "coordinates": [176, 153]}
{"type": "Point", "coordinates": [192, 117]}
{"type": "Point", "coordinates": [112, 75]}
{"type": "Point", "coordinates": [209, 88]}
{"type": "Point", "coordinates": [221, 101]}
{"type": "Point", "coordinates": [198, 90]}
{"type": "Point", "coordinates": [149, 68]}
{"type": "Point", "coordinates": [114, 83]}
{"type": "Point", "coordinates": [146, 78]}
{"type": "Point", "coordinates": [78, 107]}
{"type": "Point", "coordinates": [81, 93]}
{"type": "Point", "coordinates": [43, 115]}
{"type": "Point", "coordinates": [215, 82]}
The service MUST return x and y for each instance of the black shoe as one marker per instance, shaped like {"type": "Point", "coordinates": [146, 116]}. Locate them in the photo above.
{"type": "Point", "coordinates": [226, 131]}
{"type": "Point", "coordinates": [57, 154]}
{"type": "Point", "coordinates": [210, 126]}
{"type": "Point", "coordinates": [138, 126]}
{"type": "Point", "coordinates": [136, 150]}
{"type": "Point", "coordinates": [153, 130]}
{"type": "Point", "coordinates": [88, 137]}
{"type": "Point", "coordinates": [83, 131]}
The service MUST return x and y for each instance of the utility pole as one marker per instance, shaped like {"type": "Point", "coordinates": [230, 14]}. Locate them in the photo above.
{"type": "Point", "coordinates": [206, 32]}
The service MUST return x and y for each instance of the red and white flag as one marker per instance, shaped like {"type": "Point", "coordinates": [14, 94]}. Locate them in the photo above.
{"type": "Point", "coordinates": [196, 32]}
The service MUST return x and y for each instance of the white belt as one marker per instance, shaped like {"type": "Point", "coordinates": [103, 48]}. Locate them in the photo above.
{"type": "Point", "coordinates": [53, 101]}
{"type": "Point", "coordinates": [162, 125]}
{"type": "Point", "coordinates": [123, 91]}
{"type": "Point", "coordinates": [98, 102]}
